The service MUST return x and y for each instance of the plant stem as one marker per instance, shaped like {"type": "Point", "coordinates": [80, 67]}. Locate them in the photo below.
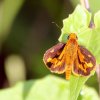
{"type": "Point", "coordinates": [85, 4]}
{"type": "Point", "coordinates": [98, 76]}
{"type": "Point", "coordinates": [99, 79]}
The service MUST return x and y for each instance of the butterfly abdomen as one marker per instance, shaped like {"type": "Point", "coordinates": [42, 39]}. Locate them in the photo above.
{"type": "Point", "coordinates": [68, 72]}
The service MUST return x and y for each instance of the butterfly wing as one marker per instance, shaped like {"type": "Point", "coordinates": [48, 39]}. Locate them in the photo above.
{"type": "Point", "coordinates": [52, 61]}
{"type": "Point", "coordinates": [84, 63]}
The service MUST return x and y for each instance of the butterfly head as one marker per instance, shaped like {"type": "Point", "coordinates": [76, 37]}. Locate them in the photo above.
{"type": "Point", "coordinates": [72, 36]}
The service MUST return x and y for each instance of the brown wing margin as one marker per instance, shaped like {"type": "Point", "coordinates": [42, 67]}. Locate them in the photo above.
{"type": "Point", "coordinates": [51, 59]}
{"type": "Point", "coordinates": [84, 63]}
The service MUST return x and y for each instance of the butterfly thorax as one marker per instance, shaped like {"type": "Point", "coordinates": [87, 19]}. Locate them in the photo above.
{"type": "Point", "coordinates": [71, 49]}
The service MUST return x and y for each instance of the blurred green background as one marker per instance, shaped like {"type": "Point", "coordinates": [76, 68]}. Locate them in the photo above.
{"type": "Point", "coordinates": [27, 29]}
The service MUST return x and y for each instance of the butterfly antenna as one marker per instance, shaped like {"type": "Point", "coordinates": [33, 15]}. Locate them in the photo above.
{"type": "Point", "coordinates": [57, 25]}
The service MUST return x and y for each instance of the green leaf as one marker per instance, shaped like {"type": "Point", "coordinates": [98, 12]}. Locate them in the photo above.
{"type": "Point", "coordinates": [95, 44]}
{"type": "Point", "coordinates": [76, 22]}
{"type": "Point", "coordinates": [48, 88]}
{"type": "Point", "coordinates": [97, 19]}
{"type": "Point", "coordinates": [76, 84]}
{"type": "Point", "coordinates": [88, 93]}
{"type": "Point", "coordinates": [84, 37]}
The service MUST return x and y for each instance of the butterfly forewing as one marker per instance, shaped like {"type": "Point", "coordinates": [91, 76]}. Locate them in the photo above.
{"type": "Point", "coordinates": [52, 61]}
{"type": "Point", "coordinates": [84, 63]}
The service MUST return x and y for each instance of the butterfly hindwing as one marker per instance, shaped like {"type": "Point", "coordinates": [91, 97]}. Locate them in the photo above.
{"type": "Point", "coordinates": [84, 63]}
{"type": "Point", "coordinates": [52, 61]}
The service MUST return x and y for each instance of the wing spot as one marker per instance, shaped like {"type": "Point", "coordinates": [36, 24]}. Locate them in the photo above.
{"type": "Point", "coordinates": [52, 51]}
{"type": "Point", "coordinates": [89, 56]}
{"type": "Point", "coordinates": [58, 64]}
{"type": "Point", "coordinates": [49, 59]}
{"type": "Point", "coordinates": [89, 64]}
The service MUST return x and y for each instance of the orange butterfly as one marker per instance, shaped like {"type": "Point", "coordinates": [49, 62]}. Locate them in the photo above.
{"type": "Point", "coordinates": [69, 57]}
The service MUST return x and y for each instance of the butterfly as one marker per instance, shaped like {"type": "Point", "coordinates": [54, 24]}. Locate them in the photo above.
{"type": "Point", "coordinates": [69, 58]}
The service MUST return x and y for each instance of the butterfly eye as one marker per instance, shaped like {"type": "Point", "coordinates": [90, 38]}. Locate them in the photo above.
{"type": "Point", "coordinates": [68, 37]}
{"type": "Point", "coordinates": [76, 37]}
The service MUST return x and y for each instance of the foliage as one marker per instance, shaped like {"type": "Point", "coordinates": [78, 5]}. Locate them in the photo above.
{"type": "Point", "coordinates": [48, 88]}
